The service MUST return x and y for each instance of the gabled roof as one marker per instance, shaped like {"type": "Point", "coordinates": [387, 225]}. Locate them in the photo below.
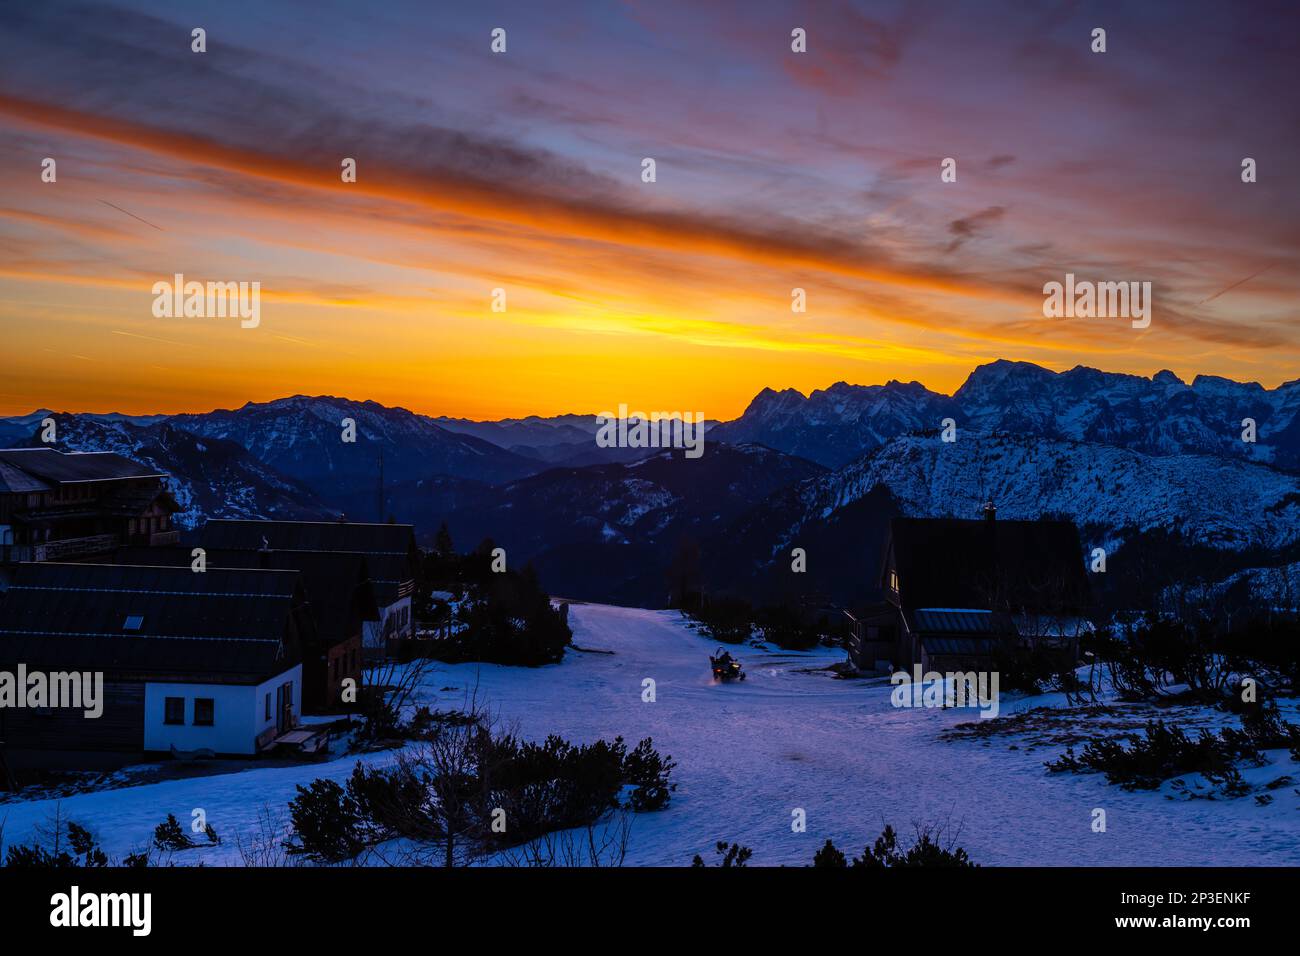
{"type": "Point", "coordinates": [953, 621]}
{"type": "Point", "coordinates": [246, 535]}
{"type": "Point", "coordinates": [222, 623]}
{"type": "Point", "coordinates": [387, 547]}
{"type": "Point", "coordinates": [987, 564]}
{"type": "Point", "coordinates": [56, 467]}
{"type": "Point", "coordinates": [337, 584]}
{"type": "Point", "coordinates": [13, 480]}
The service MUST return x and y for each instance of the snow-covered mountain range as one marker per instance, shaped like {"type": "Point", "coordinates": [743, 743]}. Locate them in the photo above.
{"type": "Point", "coordinates": [1161, 415]}
{"type": "Point", "coordinates": [1124, 456]}
{"type": "Point", "coordinates": [304, 437]}
{"type": "Point", "coordinates": [1115, 491]}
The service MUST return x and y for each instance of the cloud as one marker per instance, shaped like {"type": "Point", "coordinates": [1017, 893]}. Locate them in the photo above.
{"type": "Point", "coordinates": [970, 226]}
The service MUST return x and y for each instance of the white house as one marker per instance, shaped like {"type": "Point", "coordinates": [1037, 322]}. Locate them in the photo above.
{"type": "Point", "coordinates": [223, 718]}
{"type": "Point", "coordinates": [190, 660]}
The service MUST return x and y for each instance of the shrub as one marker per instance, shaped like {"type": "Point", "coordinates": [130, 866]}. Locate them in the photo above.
{"type": "Point", "coordinates": [1167, 751]}
{"type": "Point", "coordinates": [728, 620]}
{"type": "Point", "coordinates": [454, 787]}
{"type": "Point", "coordinates": [732, 854]}
{"type": "Point", "coordinates": [829, 857]}
{"type": "Point", "coordinates": [85, 850]}
{"type": "Point", "coordinates": [648, 773]}
{"type": "Point", "coordinates": [1033, 670]}
{"type": "Point", "coordinates": [783, 626]}
{"type": "Point", "coordinates": [924, 851]}
{"type": "Point", "coordinates": [168, 835]}
{"type": "Point", "coordinates": [327, 823]}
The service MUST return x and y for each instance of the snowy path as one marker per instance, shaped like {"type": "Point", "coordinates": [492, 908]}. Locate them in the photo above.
{"type": "Point", "coordinates": [749, 753]}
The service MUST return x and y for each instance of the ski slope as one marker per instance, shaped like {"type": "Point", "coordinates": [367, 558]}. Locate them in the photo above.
{"type": "Point", "coordinates": [789, 737]}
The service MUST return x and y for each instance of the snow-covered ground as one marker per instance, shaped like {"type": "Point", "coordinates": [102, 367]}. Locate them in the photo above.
{"type": "Point", "coordinates": [750, 753]}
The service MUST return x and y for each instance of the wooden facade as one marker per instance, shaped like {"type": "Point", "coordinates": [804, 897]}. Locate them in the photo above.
{"type": "Point", "coordinates": [57, 506]}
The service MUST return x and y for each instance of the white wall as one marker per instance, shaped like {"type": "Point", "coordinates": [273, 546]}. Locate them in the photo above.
{"type": "Point", "coordinates": [372, 633]}
{"type": "Point", "coordinates": [239, 714]}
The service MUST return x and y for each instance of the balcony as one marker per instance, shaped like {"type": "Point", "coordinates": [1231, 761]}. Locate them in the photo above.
{"type": "Point", "coordinates": [71, 547]}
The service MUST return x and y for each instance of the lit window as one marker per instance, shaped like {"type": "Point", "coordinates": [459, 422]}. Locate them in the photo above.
{"type": "Point", "coordinates": [893, 580]}
{"type": "Point", "coordinates": [133, 622]}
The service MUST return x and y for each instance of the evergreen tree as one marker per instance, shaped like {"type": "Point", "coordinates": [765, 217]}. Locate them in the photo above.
{"type": "Point", "coordinates": [442, 541]}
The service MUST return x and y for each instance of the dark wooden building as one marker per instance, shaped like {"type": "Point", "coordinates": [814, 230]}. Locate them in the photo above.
{"type": "Point", "coordinates": [956, 590]}
{"type": "Point", "coordinates": [391, 556]}
{"type": "Point", "coordinates": [189, 661]}
{"type": "Point", "coordinates": [57, 506]}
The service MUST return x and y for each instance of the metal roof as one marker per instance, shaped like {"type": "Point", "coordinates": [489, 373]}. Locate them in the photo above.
{"type": "Point", "coordinates": [953, 620]}
{"type": "Point", "coordinates": [14, 480]}
{"type": "Point", "coordinates": [387, 547]}
{"type": "Point", "coordinates": [337, 583]}
{"type": "Point", "coordinates": [245, 535]}
{"type": "Point", "coordinates": [220, 622]}
{"type": "Point", "coordinates": [961, 646]}
{"type": "Point", "coordinates": [47, 464]}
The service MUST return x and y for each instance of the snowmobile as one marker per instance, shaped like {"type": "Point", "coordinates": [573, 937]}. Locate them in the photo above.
{"type": "Point", "coordinates": [725, 667]}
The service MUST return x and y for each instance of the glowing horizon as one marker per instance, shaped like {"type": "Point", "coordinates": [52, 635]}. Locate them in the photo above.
{"type": "Point", "coordinates": [522, 170]}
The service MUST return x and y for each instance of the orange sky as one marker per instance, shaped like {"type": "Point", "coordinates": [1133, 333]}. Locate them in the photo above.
{"type": "Point", "coordinates": [524, 175]}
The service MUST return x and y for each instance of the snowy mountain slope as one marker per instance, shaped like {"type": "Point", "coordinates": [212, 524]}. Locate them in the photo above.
{"type": "Point", "coordinates": [210, 477]}
{"type": "Point", "coordinates": [559, 441]}
{"type": "Point", "coordinates": [533, 432]}
{"type": "Point", "coordinates": [1160, 415]}
{"type": "Point", "coordinates": [15, 430]}
{"type": "Point", "coordinates": [748, 754]}
{"type": "Point", "coordinates": [1212, 501]}
{"type": "Point", "coordinates": [1178, 517]}
{"type": "Point", "coordinates": [302, 437]}
{"type": "Point", "coordinates": [836, 425]}
{"type": "Point", "coordinates": [1252, 588]}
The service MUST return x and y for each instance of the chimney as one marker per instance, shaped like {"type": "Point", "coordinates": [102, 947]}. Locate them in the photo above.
{"type": "Point", "coordinates": [990, 511]}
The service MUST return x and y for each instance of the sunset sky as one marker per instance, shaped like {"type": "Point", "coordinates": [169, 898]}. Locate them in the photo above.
{"type": "Point", "coordinates": [522, 171]}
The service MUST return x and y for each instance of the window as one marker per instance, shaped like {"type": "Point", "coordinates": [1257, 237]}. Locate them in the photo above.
{"type": "Point", "coordinates": [133, 622]}
{"type": "Point", "coordinates": [174, 710]}
{"type": "Point", "coordinates": [267, 716]}
{"type": "Point", "coordinates": [204, 708]}
{"type": "Point", "coordinates": [893, 580]}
